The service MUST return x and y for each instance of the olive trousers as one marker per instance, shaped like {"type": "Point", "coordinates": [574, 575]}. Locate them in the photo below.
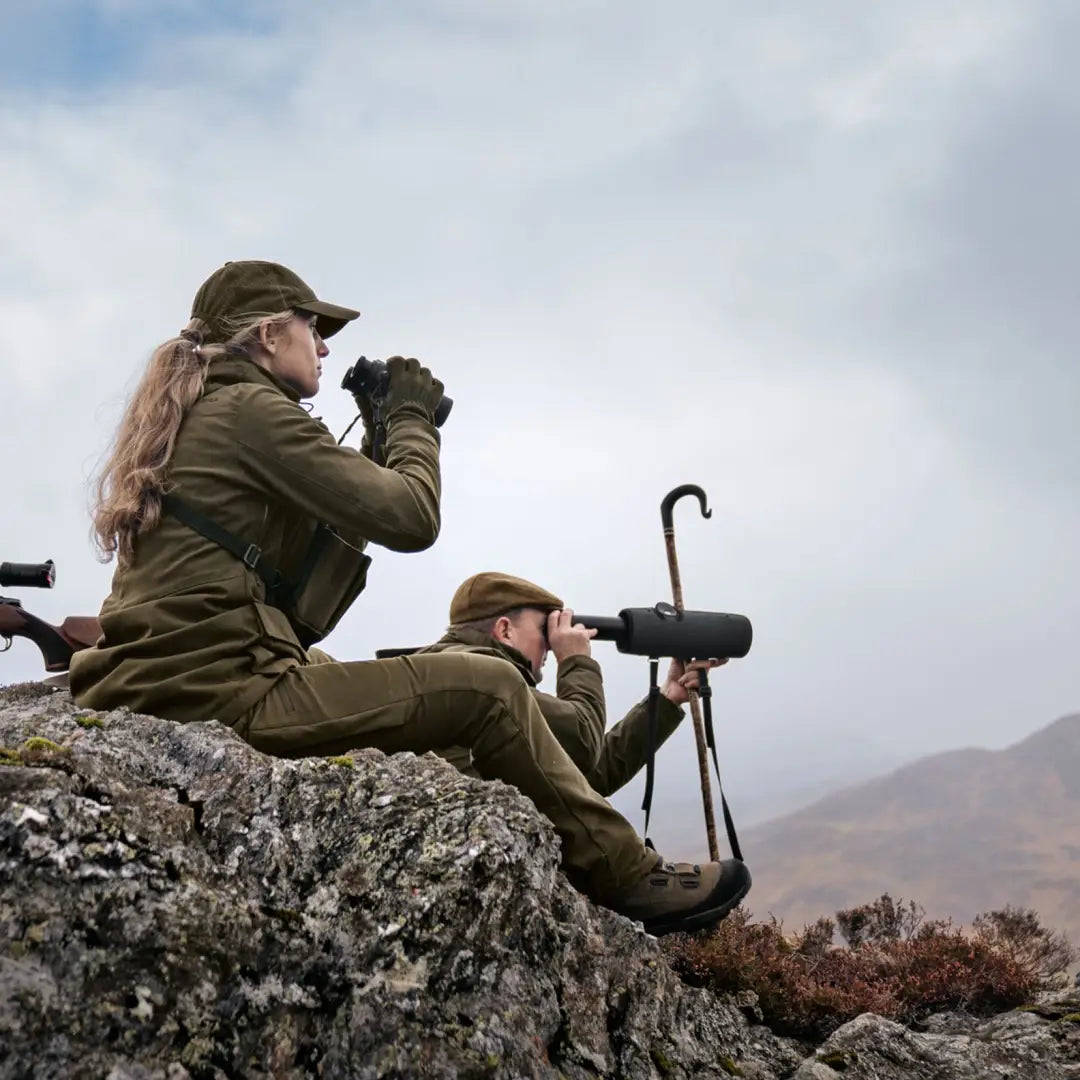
{"type": "Point", "coordinates": [432, 701]}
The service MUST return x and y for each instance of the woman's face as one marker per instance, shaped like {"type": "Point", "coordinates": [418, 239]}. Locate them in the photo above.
{"type": "Point", "coordinates": [295, 354]}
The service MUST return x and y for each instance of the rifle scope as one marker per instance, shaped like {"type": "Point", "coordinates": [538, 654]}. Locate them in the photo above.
{"type": "Point", "coordinates": [22, 575]}
{"type": "Point", "coordinates": [664, 631]}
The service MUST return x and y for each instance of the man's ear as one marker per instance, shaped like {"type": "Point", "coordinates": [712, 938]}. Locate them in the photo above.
{"type": "Point", "coordinates": [501, 630]}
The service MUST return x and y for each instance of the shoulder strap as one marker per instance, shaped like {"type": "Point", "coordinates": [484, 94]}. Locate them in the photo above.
{"type": "Point", "coordinates": [249, 554]}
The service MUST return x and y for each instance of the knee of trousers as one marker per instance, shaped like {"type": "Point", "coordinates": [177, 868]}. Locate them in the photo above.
{"type": "Point", "coordinates": [493, 677]}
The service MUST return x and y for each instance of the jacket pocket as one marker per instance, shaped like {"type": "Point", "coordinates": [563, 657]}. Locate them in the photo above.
{"type": "Point", "coordinates": [334, 575]}
{"type": "Point", "coordinates": [277, 647]}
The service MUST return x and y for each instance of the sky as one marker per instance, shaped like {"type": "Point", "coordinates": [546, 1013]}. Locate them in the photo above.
{"type": "Point", "coordinates": [817, 259]}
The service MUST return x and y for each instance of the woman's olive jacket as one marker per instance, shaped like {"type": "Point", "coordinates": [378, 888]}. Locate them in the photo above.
{"type": "Point", "coordinates": [187, 633]}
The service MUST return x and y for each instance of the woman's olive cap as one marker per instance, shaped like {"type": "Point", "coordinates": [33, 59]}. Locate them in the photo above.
{"type": "Point", "coordinates": [485, 595]}
{"type": "Point", "coordinates": [253, 287]}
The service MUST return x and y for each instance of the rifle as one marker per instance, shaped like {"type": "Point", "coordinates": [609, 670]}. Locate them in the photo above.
{"type": "Point", "coordinates": [57, 643]}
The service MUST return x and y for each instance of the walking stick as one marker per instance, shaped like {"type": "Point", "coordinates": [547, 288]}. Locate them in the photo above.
{"type": "Point", "coordinates": [666, 508]}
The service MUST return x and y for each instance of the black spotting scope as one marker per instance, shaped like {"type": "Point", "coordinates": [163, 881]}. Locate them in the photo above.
{"type": "Point", "coordinates": [662, 630]}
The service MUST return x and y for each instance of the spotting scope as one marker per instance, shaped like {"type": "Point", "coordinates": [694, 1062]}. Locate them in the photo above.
{"type": "Point", "coordinates": [662, 630]}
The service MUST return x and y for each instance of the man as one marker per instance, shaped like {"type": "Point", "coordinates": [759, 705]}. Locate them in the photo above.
{"type": "Point", "coordinates": [509, 617]}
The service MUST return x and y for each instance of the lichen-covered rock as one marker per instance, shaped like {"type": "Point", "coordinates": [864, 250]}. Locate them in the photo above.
{"type": "Point", "coordinates": [1041, 1042]}
{"type": "Point", "coordinates": [174, 904]}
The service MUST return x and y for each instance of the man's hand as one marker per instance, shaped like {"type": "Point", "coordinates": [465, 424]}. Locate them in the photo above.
{"type": "Point", "coordinates": [565, 638]}
{"type": "Point", "coordinates": [682, 678]}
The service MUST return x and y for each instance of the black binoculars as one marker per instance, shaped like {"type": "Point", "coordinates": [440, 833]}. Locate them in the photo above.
{"type": "Point", "coordinates": [370, 378]}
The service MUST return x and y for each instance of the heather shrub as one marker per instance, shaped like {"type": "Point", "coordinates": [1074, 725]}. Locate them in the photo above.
{"type": "Point", "coordinates": [882, 920]}
{"type": "Point", "coordinates": [893, 962]}
{"type": "Point", "coordinates": [1016, 932]}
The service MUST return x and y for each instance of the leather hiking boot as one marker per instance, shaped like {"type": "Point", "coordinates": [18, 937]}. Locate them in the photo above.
{"type": "Point", "coordinates": [683, 896]}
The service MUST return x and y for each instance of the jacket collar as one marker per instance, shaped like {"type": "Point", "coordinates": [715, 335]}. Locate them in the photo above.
{"type": "Point", "coordinates": [476, 638]}
{"type": "Point", "coordinates": [235, 368]}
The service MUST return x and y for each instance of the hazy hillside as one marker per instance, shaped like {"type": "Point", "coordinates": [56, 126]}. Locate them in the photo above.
{"type": "Point", "coordinates": [761, 781]}
{"type": "Point", "coordinates": [960, 832]}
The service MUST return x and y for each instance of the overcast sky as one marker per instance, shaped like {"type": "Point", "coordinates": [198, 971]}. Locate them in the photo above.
{"type": "Point", "coordinates": [819, 259]}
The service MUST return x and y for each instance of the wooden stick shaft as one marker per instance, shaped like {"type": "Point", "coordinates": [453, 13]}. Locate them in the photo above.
{"type": "Point", "coordinates": [695, 709]}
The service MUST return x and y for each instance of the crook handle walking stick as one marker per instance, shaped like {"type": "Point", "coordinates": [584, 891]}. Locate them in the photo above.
{"type": "Point", "coordinates": [666, 518]}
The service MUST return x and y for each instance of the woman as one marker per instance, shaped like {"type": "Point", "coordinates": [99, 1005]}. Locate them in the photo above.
{"type": "Point", "coordinates": [224, 502]}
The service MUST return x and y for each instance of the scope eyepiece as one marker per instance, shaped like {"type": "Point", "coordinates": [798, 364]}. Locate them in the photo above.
{"type": "Point", "coordinates": [28, 575]}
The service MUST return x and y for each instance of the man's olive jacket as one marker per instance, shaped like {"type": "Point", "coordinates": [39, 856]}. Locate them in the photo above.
{"type": "Point", "coordinates": [576, 714]}
{"type": "Point", "coordinates": [186, 630]}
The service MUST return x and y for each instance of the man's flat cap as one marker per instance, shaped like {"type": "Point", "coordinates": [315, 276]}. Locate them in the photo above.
{"type": "Point", "coordinates": [485, 595]}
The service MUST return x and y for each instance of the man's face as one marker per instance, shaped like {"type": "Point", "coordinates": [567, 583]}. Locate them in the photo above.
{"type": "Point", "coordinates": [526, 631]}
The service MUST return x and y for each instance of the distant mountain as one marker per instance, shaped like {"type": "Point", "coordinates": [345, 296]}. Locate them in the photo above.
{"type": "Point", "coordinates": [760, 789]}
{"type": "Point", "coordinates": [960, 833]}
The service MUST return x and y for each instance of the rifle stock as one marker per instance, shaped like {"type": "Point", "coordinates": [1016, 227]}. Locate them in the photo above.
{"type": "Point", "coordinates": [57, 643]}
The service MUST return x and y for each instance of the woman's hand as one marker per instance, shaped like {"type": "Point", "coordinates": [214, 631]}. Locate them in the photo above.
{"type": "Point", "coordinates": [411, 385]}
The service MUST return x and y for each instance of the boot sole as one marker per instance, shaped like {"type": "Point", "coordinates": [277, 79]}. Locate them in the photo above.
{"type": "Point", "coordinates": [699, 920]}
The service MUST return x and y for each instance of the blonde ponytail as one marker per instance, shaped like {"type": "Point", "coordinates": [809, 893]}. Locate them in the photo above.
{"type": "Point", "coordinates": [132, 481]}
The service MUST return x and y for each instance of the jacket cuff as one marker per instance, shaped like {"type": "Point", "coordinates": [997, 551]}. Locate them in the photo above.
{"type": "Point", "coordinates": [669, 713]}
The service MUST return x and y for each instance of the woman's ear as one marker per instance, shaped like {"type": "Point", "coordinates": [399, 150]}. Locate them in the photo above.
{"type": "Point", "coordinates": [268, 337]}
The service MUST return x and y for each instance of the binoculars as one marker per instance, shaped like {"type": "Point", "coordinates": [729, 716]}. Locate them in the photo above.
{"type": "Point", "coordinates": [371, 379]}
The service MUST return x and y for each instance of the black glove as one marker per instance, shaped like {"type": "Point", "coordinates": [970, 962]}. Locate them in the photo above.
{"type": "Point", "coordinates": [411, 388]}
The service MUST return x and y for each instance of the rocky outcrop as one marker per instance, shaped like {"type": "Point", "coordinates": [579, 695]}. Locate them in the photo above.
{"type": "Point", "coordinates": [1041, 1042]}
{"type": "Point", "coordinates": [174, 904]}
